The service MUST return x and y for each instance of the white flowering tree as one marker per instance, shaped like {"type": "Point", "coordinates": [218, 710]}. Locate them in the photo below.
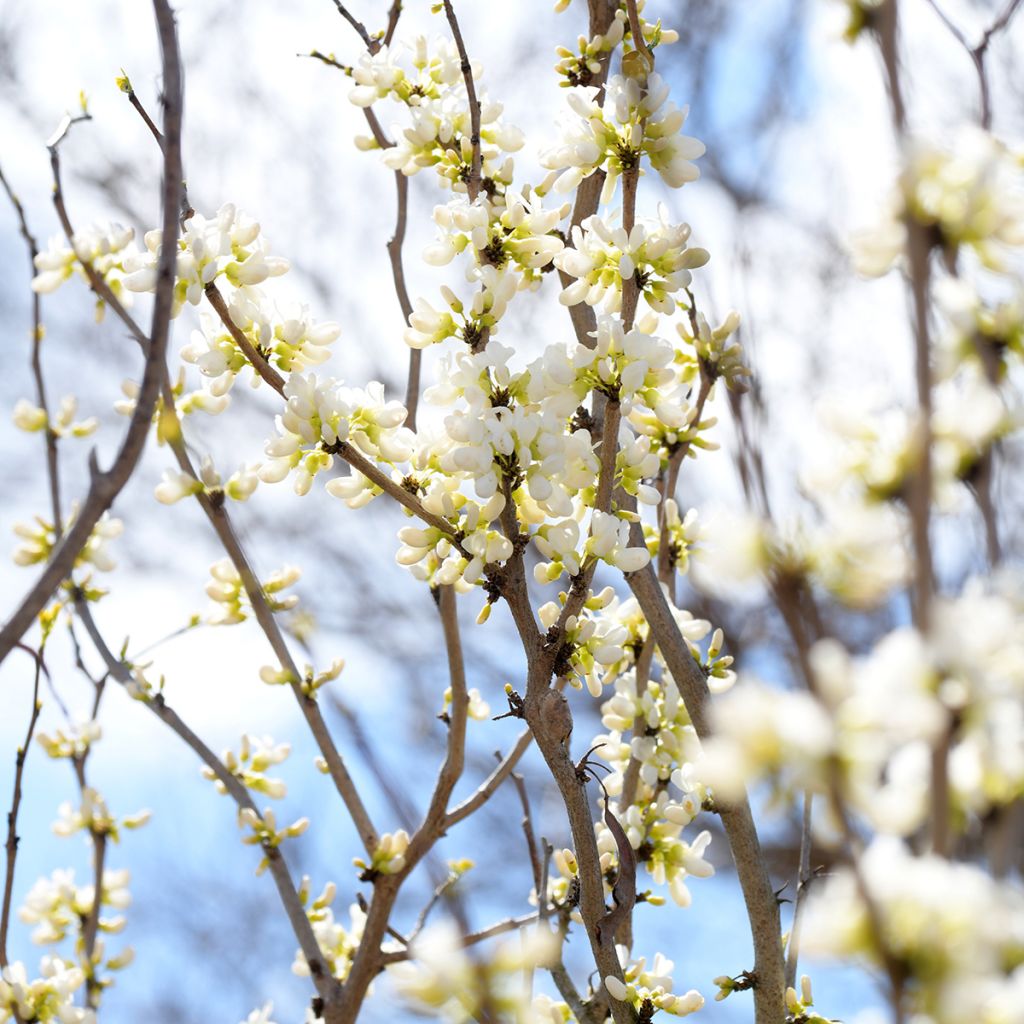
{"type": "Point", "coordinates": [542, 481]}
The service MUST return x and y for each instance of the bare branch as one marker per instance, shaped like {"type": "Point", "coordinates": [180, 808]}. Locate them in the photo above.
{"type": "Point", "coordinates": [473, 182]}
{"type": "Point", "coordinates": [803, 881]}
{"type": "Point", "coordinates": [490, 785]}
{"type": "Point", "coordinates": [393, 15]}
{"type": "Point", "coordinates": [531, 842]}
{"type": "Point", "coordinates": [357, 25]}
{"type": "Point", "coordinates": [471, 939]}
{"type": "Point", "coordinates": [49, 435]}
{"type": "Point", "coordinates": [433, 821]}
{"type": "Point", "coordinates": [11, 846]}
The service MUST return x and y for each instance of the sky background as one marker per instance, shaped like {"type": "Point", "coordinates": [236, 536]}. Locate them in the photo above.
{"type": "Point", "coordinates": [796, 123]}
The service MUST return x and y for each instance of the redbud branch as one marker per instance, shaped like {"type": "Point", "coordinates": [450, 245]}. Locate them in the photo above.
{"type": "Point", "coordinates": [473, 183]}
{"type": "Point", "coordinates": [11, 846]}
{"type": "Point", "coordinates": [804, 877]}
{"type": "Point", "coordinates": [394, 245]}
{"type": "Point", "coordinates": [977, 53]}
{"type": "Point", "coordinates": [371, 45]}
{"type": "Point", "coordinates": [919, 497]}
{"type": "Point", "coordinates": [432, 826]}
{"type": "Point", "coordinates": [471, 939]}
{"type": "Point", "coordinates": [106, 485]}
{"type": "Point", "coordinates": [49, 435]}
{"type": "Point", "coordinates": [258, 361]}
{"type": "Point", "coordinates": [326, 986]}
{"type": "Point", "coordinates": [393, 15]}
{"type": "Point", "coordinates": [758, 894]}
{"type": "Point", "coordinates": [490, 785]}
{"type": "Point", "coordinates": [580, 588]}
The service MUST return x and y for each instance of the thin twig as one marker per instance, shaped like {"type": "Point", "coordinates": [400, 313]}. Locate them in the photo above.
{"type": "Point", "coordinates": [49, 435]}
{"type": "Point", "coordinates": [977, 53]}
{"type": "Point", "coordinates": [327, 58]}
{"type": "Point", "coordinates": [451, 770]}
{"type": "Point", "coordinates": [256, 359]}
{"type": "Point", "coordinates": [122, 672]}
{"type": "Point", "coordinates": [11, 846]}
{"type": "Point", "coordinates": [470, 939]}
{"type": "Point", "coordinates": [221, 523]}
{"type": "Point", "coordinates": [393, 15]}
{"type": "Point", "coordinates": [435, 896]}
{"type": "Point", "coordinates": [490, 785]}
{"type": "Point", "coordinates": [803, 881]}
{"type": "Point", "coordinates": [473, 182]}
{"type": "Point", "coordinates": [531, 843]}
{"type": "Point", "coordinates": [141, 111]}
{"type": "Point", "coordinates": [371, 45]}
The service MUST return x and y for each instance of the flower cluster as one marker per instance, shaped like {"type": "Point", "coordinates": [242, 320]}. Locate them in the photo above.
{"type": "Point", "coordinates": [227, 246]}
{"type": "Point", "coordinates": [263, 832]}
{"type": "Point", "coordinates": [250, 765]}
{"type": "Point", "coordinates": [634, 123]}
{"type": "Point", "coordinates": [968, 196]}
{"type": "Point", "coordinates": [56, 905]}
{"type": "Point", "coordinates": [337, 944]}
{"type": "Point", "coordinates": [38, 541]}
{"type": "Point", "coordinates": [31, 418]}
{"type": "Point", "coordinates": [445, 979]}
{"type": "Point", "coordinates": [437, 107]}
{"type": "Point", "coordinates": [47, 998]}
{"type": "Point", "coordinates": [655, 257]}
{"type": "Point", "coordinates": [177, 485]}
{"type": "Point", "coordinates": [291, 340]}
{"type": "Point", "coordinates": [389, 856]}
{"type": "Point", "coordinates": [108, 249]}
{"type": "Point", "coordinates": [954, 927]}
{"type": "Point", "coordinates": [652, 986]}
{"type": "Point", "coordinates": [319, 416]}
{"type": "Point", "coordinates": [231, 601]}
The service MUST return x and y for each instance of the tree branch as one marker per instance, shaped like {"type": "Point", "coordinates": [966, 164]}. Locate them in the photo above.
{"type": "Point", "coordinates": [106, 485]}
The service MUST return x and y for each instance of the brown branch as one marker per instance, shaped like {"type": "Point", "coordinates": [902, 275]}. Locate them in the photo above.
{"type": "Point", "coordinates": [91, 926]}
{"type": "Point", "coordinates": [803, 881]}
{"type": "Point", "coordinates": [256, 359]}
{"type": "Point", "coordinates": [919, 496]}
{"type": "Point", "coordinates": [602, 502]}
{"type": "Point", "coordinates": [490, 785]}
{"type": "Point", "coordinates": [432, 826]}
{"type": "Point", "coordinates": [473, 183]}
{"type": "Point", "coordinates": [11, 846]}
{"type": "Point", "coordinates": [147, 120]}
{"type": "Point", "coordinates": [308, 705]}
{"type": "Point", "coordinates": [50, 437]}
{"type": "Point", "coordinates": [327, 58]}
{"type": "Point", "coordinates": [758, 894]}
{"type": "Point", "coordinates": [412, 388]}
{"type": "Point", "coordinates": [393, 15]}
{"type": "Point", "coordinates": [545, 713]}
{"type": "Point", "coordinates": [371, 45]}
{"type": "Point", "coordinates": [470, 939]}
{"type": "Point", "coordinates": [394, 246]}
{"type": "Point", "coordinates": [106, 485]}
{"type": "Point", "coordinates": [977, 53]}
{"type": "Point", "coordinates": [536, 867]}
{"type": "Point", "coordinates": [326, 986]}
